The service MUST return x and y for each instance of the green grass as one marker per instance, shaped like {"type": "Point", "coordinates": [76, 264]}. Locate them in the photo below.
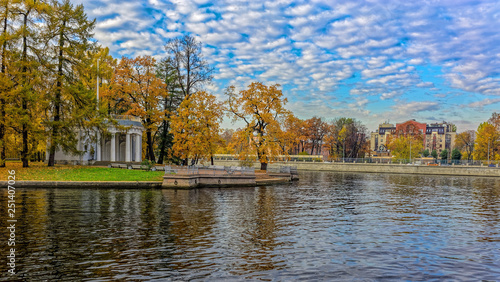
{"type": "Point", "coordinates": [39, 171]}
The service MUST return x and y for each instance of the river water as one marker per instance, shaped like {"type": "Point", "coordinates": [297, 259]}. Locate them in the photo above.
{"type": "Point", "coordinates": [327, 227]}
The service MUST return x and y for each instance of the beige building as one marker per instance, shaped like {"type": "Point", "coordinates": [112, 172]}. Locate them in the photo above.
{"type": "Point", "coordinates": [436, 136]}
{"type": "Point", "coordinates": [440, 136]}
{"type": "Point", "coordinates": [378, 139]}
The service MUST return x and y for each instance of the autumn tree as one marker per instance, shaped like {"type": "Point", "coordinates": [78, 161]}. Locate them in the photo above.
{"type": "Point", "coordinates": [495, 120]}
{"type": "Point", "coordinates": [259, 107]}
{"type": "Point", "coordinates": [465, 143]}
{"type": "Point", "coordinates": [225, 144]}
{"type": "Point", "coordinates": [135, 81]}
{"type": "Point", "coordinates": [23, 66]}
{"type": "Point", "coordinates": [405, 147]}
{"type": "Point", "coordinates": [68, 36]}
{"type": "Point", "coordinates": [330, 141]}
{"type": "Point", "coordinates": [196, 127]}
{"type": "Point", "coordinates": [346, 138]}
{"type": "Point", "coordinates": [192, 71]}
{"type": "Point", "coordinates": [487, 142]}
{"type": "Point", "coordinates": [315, 129]}
{"type": "Point", "coordinates": [292, 134]}
{"type": "Point", "coordinates": [6, 85]}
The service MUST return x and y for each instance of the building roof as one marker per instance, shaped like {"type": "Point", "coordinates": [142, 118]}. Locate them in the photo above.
{"type": "Point", "coordinates": [128, 120]}
{"type": "Point", "coordinates": [125, 122]}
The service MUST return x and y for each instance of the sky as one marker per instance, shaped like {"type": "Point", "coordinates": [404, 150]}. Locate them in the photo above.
{"type": "Point", "coordinates": [376, 61]}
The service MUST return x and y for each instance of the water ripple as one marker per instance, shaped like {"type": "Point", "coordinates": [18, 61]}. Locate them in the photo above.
{"type": "Point", "coordinates": [327, 227]}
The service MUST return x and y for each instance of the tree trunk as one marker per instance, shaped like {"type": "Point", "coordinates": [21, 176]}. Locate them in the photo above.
{"type": "Point", "coordinates": [163, 142]}
{"type": "Point", "coordinates": [212, 160]}
{"type": "Point", "coordinates": [24, 103]}
{"type": "Point", "coordinates": [2, 101]}
{"type": "Point", "coordinates": [57, 100]}
{"type": "Point", "coordinates": [149, 140]}
{"type": "Point", "coordinates": [2, 135]}
{"type": "Point", "coordinates": [263, 166]}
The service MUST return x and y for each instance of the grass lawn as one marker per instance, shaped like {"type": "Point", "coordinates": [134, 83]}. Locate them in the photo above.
{"type": "Point", "coordinates": [40, 171]}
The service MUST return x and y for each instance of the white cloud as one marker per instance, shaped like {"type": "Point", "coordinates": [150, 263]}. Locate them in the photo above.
{"type": "Point", "coordinates": [485, 102]}
{"type": "Point", "coordinates": [308, 47]}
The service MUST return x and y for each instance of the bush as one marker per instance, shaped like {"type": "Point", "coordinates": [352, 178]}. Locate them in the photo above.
{"type": "Point", "coordinates": [304, 153]}
{"type": "Point", "coordinates": [444, 154]}
{"type": "Point", "coordinates": [455, 154]}
{"type": "Point", "coordinates": [147, 164]}
{"type": "Point", "coordinates": [425, 153]}
{"type": "Point", "coordinates": [434, 154]}
{"type": "Point", "coordinates": [246, 162]}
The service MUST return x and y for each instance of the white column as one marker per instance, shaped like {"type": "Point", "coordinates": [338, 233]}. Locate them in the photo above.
{"type": "Point", "coordinates": [98, 148]}
{"type": "Point", "coordinates": [138, 148]}
{"type": "Point", "coordinates": [127, 147]}
{"type": "Point", "coordinates": [113, 147]}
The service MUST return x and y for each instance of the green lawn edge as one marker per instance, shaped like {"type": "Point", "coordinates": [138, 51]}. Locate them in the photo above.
{"type": "Point", "coordinates": [79, 173]}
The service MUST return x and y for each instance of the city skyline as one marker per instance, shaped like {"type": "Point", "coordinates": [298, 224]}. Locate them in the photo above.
{"type": "Point", "coordinates": [375, 61]}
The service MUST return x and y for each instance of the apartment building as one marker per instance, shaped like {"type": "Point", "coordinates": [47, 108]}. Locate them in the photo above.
{"type": "Point", "coordinates": [436, 136]}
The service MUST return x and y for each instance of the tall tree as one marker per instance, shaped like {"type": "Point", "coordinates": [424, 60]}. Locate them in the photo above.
{"type": "Point", "coordinates": [171, 101]}
{"type": "Point", "coordinates": [225, 144]}
{"type": "Point", "coordinates": [292, 134]}
{"type": "Point", "coordinates": [25, 72]}
{"type": "Point", "coordinates": [196, 127]}
{"type": "Point", "coordinates": [260, 107]}
{"type": "Point", "coordinates": [487, 142]}
{"type": "Point", "coordinates": [465, 143]}
{"type": "Point", "coordinates": [495, 120]}
{"type": "Point", "coordinates": [136, 82]}
{"type": "Point", "coordinates": [7, 38]}
{"type": "Point", "coordinates": [346, 138]}
{"type": "Point", "coordinates": [187, 60]}
{"type": "Point", "coordinates": [316, 129]}
{"type": "Point", "coordinates": [69, 34]}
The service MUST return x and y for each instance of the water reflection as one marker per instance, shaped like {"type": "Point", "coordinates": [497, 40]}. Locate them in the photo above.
{"type": "Point", "coordinates": [329, 226]}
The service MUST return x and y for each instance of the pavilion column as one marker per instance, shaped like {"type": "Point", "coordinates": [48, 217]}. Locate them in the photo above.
{"type": "Point", "coordinates": [138, 148]}
{"type": "Point", "coordinates": [98, 147]}
{"type": "Point", "coordinates": [113, 147]}
{"type": "Point", "coordinates": [127, 147]}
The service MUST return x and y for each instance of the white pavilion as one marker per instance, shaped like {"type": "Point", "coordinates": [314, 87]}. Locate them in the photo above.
{"type": "Point", "coordinates": [122, 146]}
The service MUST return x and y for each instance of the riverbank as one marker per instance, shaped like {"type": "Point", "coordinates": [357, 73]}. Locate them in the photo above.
{"type": "Point", "coordinates": [41, 172]}
{"type": "Point", "coordinates": [382, 168]}
{"type": "Point", "coordinates": [259, 181]}
{"type": "Point", "coordinates": [38, 175]}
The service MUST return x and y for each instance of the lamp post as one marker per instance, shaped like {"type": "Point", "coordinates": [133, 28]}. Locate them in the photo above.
{"type": "Point", "coordinates": [98, 135]}
{"type": "Point", "coordinates": [343, 153]}
{"type": "Point", "coordinates": [410, 148]}
{"type": "Point", "coordinates": [489, 150]}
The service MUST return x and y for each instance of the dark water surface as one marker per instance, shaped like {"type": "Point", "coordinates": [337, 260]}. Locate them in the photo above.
{"type": "Point", "coordinates": [327, 227]}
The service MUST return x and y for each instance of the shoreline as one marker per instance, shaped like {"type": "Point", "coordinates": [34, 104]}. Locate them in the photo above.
{"type": "Point", "coordinates": [483, 171]}
{"type": "Point", "coordinates": [126, 184]}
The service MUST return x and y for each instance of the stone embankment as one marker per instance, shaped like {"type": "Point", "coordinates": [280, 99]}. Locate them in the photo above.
{"type": "Point", "coordinates": [87, 184]}
{"type": "Point", "coordinates": [382, 168]}
{"type": "Point", "coordinates": [220, 176]}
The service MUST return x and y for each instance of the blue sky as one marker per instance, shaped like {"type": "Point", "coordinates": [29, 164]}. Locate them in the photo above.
{"type": "Point", "coordinates": [372, 60]}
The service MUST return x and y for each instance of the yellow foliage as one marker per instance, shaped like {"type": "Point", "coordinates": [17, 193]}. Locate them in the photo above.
{"type": "Point", "coordinates": [196, 126]}
{"type": "Point", "coordinates": [260, 107]}
{"type": "Point", "coordinates": [400, 146]}
{"type": "Point", "coordinates": [487, 137]}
